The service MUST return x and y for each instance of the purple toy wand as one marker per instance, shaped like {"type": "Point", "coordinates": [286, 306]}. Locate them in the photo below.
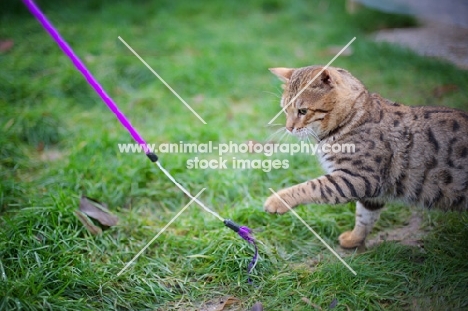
{"type": "Point", "coordinates": [244, 232]}
{"type": "Point", "coordinates": [84, 71]}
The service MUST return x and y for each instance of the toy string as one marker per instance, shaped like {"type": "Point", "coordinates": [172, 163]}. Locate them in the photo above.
{"type": "Point", "coordinates": [243, 232]}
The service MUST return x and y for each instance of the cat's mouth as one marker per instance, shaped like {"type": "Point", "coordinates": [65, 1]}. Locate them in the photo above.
{"type": "Point", "coordinates": [300, 133]}
{"type": "Point", "coordinates": [304, 133]}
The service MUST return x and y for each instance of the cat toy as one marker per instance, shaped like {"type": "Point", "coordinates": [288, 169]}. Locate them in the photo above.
{"type": "Point", "coordinates": [243, 231]}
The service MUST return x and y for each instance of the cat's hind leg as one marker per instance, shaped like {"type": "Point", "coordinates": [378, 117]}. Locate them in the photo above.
{"type": "Point", "coordinates": [367, 213]}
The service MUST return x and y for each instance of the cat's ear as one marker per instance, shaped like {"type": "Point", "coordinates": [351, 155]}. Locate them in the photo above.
{"type": "Point", "coordinates": [327, 77]}
{"type": "Point", "coordinates": [284, 74]}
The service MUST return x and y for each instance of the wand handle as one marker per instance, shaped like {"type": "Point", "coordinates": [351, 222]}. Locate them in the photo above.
{"type": "Point", "coordinates": [231, 225]}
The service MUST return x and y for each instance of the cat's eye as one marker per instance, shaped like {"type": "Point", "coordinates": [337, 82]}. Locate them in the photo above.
{"type": "Point", "coordinates": [302, 111]}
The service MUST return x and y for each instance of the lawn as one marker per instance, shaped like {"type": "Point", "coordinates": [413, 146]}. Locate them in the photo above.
{"type": "Point", "coordinates": [59, 142]}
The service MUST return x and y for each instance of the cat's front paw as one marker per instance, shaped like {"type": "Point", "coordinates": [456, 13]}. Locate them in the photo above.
{"type": "Point", "coordinates": [350, 239]}
{"type": "Point", "coordinates": [274, 205]}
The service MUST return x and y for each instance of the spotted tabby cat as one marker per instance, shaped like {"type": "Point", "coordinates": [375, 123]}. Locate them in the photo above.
{"type": "Point", "coordinates": [418, 155]}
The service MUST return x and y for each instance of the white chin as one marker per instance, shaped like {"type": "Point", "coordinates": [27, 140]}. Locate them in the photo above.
{"type": "Point", "coordinates": [301, 134]}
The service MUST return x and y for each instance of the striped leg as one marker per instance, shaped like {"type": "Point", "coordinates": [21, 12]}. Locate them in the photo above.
{"type": "Point", "coordinates": [367, 213]}
{"type": "Point", "coordinates": [339, 187]}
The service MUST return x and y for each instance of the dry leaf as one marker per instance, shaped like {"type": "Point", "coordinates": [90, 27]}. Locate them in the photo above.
{"type": "Point", "coordinates": [219, 304]}
{"type": "Point", "coordinates": [442, 90]}
{"type": "Point", "coordinates": [334, 303]}
{"type": "Point", "coordinates": [6, 45]}
{"type": "Point", "coordinates": [98, 211]}
{"type": "Point", "coordinates": [93, 229]}
{"type": "Point", "coordinates": [90, 208]}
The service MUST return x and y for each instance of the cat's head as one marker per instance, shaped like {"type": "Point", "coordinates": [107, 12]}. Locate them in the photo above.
{"type": "Point", "coordinates": [316, 100]}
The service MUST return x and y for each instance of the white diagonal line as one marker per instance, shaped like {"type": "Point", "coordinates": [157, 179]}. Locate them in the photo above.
{"type": "Point", "coordinates": [162, 80]}
{"type": "Point", "coordinates": [315, 233]}
{"type": "Point", "coordinates": [310, 82]}
{"type": "Point", "coordinates": [159, 233]}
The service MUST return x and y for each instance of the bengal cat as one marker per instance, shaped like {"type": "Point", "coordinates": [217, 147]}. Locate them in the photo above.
{"type": "Point", "coordinates": [418, 155]}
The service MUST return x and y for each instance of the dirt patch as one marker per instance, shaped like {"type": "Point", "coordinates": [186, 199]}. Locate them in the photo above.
{"type": "Point", "coordinates": [410, 234]}
{"type": "Point", "coordinates": [51, 155]}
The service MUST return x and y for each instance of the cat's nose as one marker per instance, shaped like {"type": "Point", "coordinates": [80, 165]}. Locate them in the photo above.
{"type": "Point", "coordinates": [290, 128]}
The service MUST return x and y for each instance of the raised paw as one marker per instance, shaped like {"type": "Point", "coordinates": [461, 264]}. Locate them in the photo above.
{"type": "Point", "coordinates": [350, 239]}
{"type": "Point", "coordinates": [274, 205]}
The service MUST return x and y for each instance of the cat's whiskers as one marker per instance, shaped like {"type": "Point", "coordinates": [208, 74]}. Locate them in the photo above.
{"type": "Point", "coordinates": [271, 93]}
{"type": "Point", "coordinates": [282, 136]}
{"type": "Point", "coordinates": [312, 133]}
{"type": "Point", "coordinates": [275, 124]}
{"type": "Point", "coordinates": [275, 133]}
{"type": "Point", "coordinates": [291, 137]}
{"type": "Point", "coordinates": [302, 137]}
{"type": "Point", "coordinates": [309, 134]}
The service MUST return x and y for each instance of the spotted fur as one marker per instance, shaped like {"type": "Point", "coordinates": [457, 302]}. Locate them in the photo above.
{"type": "Point", "coordinates": [418, 155]}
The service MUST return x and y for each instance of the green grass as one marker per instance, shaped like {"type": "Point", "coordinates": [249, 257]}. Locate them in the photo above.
{"type": "Point", "coordinates": [215, 54]}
